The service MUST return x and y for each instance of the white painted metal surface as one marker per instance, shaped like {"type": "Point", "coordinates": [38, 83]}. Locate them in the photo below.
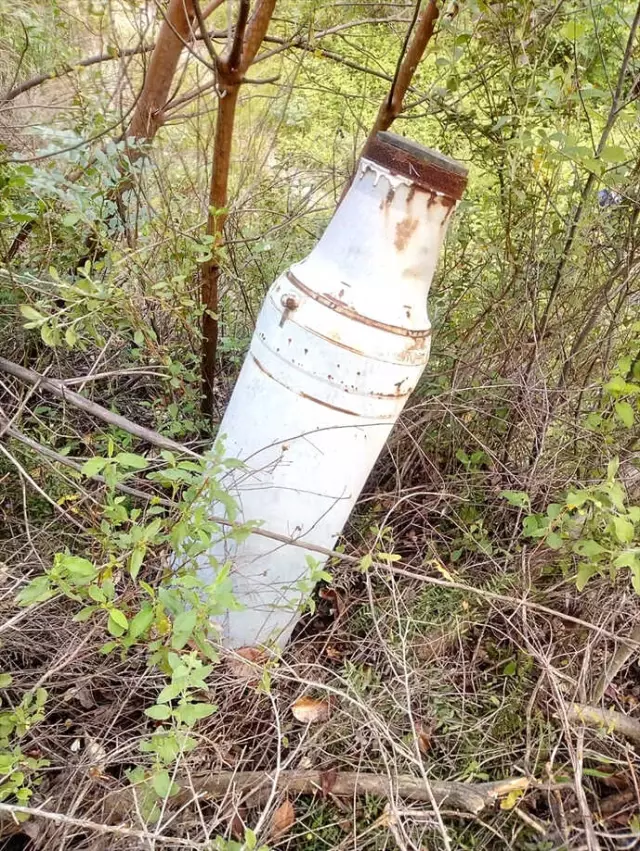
{"type": "Point", "coordinates": [340, 343]}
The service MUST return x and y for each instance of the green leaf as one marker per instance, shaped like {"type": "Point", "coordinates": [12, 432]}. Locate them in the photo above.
{"type": "Point", "coordinates": [117, 623]}
{"type": "Point", "coordinates": [142, 621]}
{"type": "Point", "coordinates": [625, 413]}
{"type": "Point", "coordinates": [616, 385]}
{"type": "Point", "coordinates": [628, 558]}
{"type": "Point", "coordinates": [71, 337]}
{"type": "Point", "coordinates": [131, 461]}
{"type": "Point", "coordinates": [158, 713]}
{"type": "Point", "coordinates": [163, 785]}
{"type": "Point", "coordinates": [169, 692]}
{"type": "Point", "coordinates": [517, 498]}
{"type": "Point", "coordinates": [554, 541]}
{"type": "Point", "coordinates": [365, 562]}
{"type": "Point", "coordinates": [554, 509]}
{"type": "Point", "coordinates": [623, 529]}
{"type": "Point", "coordinates": [37, 591]}
{"type": "Point", "coordinates": [80, 570]}
{"type": "Point", "coordinates": [510, 668]}
{"type": "Point", "coordinates": [534, 526]}
{"type": "Point", "coordinates": [631, 559]}
{"type": "Point", "coordinates": [93, 466]}
{"type": "Point", "coordinates": [614, 154]}
{"type": "Point", "coordinates": [190, 713]}
{"type": "Point", "coordinates": [97, 594]}
{"type": "Point", "coordinates": [48, 337]}
{"type": "Point", "coordinates": [612, 468]}
{"type": "Point", "coordinates": [183, 627]}
{"type": "Point", "coordinates": [135, 562]}
{"type": "Point", "coordinates": [31, 313]}
{"type": "Point", "coordinates": [585, 572]}
{"type": "Point", "coordinates": [5, 680]}
{"type": "Point", "coordinates": [576, 499]}
{"type": "Point", "coordinates": [572, 30]}
{"type": "Point", "coordinates": [588, 548]}
{"type": "Point", "coordinates": [84, 614]}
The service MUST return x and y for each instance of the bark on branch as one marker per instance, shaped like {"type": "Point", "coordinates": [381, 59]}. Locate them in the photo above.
{"type": "Point", "coordinates": [255, 788]}
{"type": "Point", "coordinates": [593, 716]}
{"type": "Point", "coordinates": [413, 51]}
{"type": "Point", "coordinates": [58, 389]}
{"type": "Point", "coordinates": [177, 29]}
{"type": "Point", "coordinates": [248, 36]}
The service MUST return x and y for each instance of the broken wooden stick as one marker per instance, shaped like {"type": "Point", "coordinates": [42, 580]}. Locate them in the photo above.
{"type": "Point", "coordinates": [611, 671]}
{"type": "Point", "coordinates": [59, 389]}
{"type": "Point", "coordinates": [255, 786]}
{"type": "Point", "coordinates": [594, 716]}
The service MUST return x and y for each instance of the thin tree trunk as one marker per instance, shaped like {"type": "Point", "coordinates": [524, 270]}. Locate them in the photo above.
{"type": "Point", "coordinates": [177, 29]}
{"type": "Point", "coordinates": [412, 52]}
{"type": "Point", "coordinates": [210, 273]}
{"type": "Point", "coordinates": [248, 36]}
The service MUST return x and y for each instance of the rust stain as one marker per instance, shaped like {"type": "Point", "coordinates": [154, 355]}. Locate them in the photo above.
{"type": "Point", "coordinates": [404, 231]}
{"type": "Point", "coordinates": [426, 175]}
{"type": "Point", "coordinates": [411, 193]}
{"type": "Point", "coordinates": [419, 335]}
{"type": "Point", "coordinates": [390, 196]}
{"type": "Point", "coordinates": [327, 404]}
{"type": "Point", "coordinates": [262, 369]}
{"type": "Point", "coordinates": [304, 395]}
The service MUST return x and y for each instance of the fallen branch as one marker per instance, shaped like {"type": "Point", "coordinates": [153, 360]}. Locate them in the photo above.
{"type": "Point", "coordinates": [74, 465]}
{"type": "Point", "coordinates": [10, 825]}
{"type": "Point", "coordinates": [58, 389]}
{"type": "Point", "coordinates": [611, 671]}
{"type": "Point", "coordinates": [255, 787]}
{"type": "Point", "coordinates": [593, 716]}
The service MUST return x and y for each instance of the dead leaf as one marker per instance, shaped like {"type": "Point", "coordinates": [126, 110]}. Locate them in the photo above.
{"type": "Point", "coordinates": [246, 664]}
{"type": "Point", "coordinates": [424, 732]}
{"type": "Point", "coordinates": [81, 694]}
{"type": "Point", "coordinates": [236, 825]}
{"type": "Point", "coordinates": [328, 781]}
{"type": "Point", "coordinates": [333, 653]}
{"type": "Point", "coordinates": [311, 711]}
{"type": "Point", "coordinates": [283, 818]}
{"type": "Point", "coordinates": [335, 599]}
{"type": "Point", "coordinates": [436, 644]}
{"type": "Point", "coordinates": [96, 753]}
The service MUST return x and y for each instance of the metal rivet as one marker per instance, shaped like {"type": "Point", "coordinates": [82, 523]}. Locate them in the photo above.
{"type": "Point", "coordinates": [289, 302]}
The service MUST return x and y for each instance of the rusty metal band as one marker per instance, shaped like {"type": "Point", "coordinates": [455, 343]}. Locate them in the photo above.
{"type": "Point", "coordinates": [426, 175]}
{"type": "Point", "coordinates": [345, 310]}
{"type": "Point", "coordinates": [262, 368]}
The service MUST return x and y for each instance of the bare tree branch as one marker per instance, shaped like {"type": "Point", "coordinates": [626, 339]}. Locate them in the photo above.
{"type": "Point", "coordinates": [412, 52]}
